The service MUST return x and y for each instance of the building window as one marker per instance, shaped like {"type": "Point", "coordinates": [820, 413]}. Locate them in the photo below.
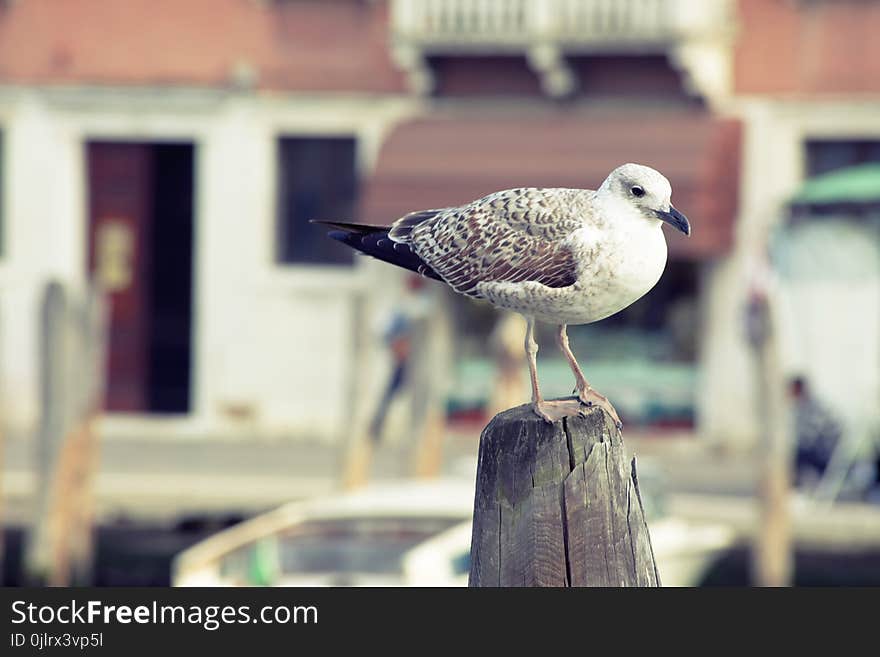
{"type": "Point", "coordinates": [825, 155]}
{"type": "Point", "coordinates": [317, 179]}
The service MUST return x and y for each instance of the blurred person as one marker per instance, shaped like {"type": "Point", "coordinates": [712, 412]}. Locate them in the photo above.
{"type": "Point", "coordinates": [398, 338]}
{"type": "Point", "coordinates": [817, 433]}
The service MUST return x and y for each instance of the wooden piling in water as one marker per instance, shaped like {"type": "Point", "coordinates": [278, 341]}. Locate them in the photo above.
{"type": "Point", "coordinates": [558, 505]}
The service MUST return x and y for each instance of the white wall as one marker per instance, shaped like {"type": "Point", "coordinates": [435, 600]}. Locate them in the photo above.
{"type": "Point", "coordinates": [271, 342]}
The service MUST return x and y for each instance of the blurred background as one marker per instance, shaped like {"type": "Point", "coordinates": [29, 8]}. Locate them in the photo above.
{"type": "Point", "coordinates": [197, 386]}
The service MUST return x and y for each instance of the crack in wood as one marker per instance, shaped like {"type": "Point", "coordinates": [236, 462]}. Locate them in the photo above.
{"type": "Point", "coordinates": [632, 541]}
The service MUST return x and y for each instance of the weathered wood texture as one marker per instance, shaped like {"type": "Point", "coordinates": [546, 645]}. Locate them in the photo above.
{"type": "Point", "coordinates": [558, 505]}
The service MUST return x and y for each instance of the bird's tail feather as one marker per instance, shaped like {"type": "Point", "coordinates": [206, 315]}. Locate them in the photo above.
{"type": "Point", "coordinates": [374, 241]}
{"type": "Point", "coordinates": [350, 226]}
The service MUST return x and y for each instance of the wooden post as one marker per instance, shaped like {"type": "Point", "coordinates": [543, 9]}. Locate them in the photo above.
{"type": "Point", "coordinates": [357, 455]}
{"type": "Point", "coordinates": [772, 552]}
{"type": "Point", "coordinates": [40, 554]}
{"type": "Point", "coordinates": [511, 364]}
{"type": "Point", "coordinates": [59, 548]}
{"type": "Point", "coordinates": [558, 505]}
{"type": "Point", "coordinates": [83, 435]}
{"type": "Point", "coordinates": [428, 378]}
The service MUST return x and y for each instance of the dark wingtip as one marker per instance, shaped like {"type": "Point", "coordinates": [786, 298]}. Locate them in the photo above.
{"type": "Point", "coordinates": [349, 239]}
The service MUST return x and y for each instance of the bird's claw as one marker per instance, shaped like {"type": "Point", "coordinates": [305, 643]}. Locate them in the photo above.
{"type": "Point", "coordinates": [555, 410]}
{"type": "Point", "coordinates": [590, 398]}
{"type": "Point", "coordinates": [541, 414]}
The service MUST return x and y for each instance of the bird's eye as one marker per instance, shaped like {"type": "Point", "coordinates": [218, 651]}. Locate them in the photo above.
{"type": "Point", "coordinates": [638, 190]}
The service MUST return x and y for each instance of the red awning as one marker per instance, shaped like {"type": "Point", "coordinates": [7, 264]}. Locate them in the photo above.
{"type": "Point", "coordinates": [450, 159]}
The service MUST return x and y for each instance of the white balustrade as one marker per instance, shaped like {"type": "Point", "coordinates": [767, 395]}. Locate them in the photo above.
{"type": "Point", "coordinates": [573, 22]}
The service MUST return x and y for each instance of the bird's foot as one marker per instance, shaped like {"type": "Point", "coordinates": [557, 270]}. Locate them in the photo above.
{"type": "Point", "coordinates": [589, 398]}
{"type": "Point", "coordinates": [555, 410]}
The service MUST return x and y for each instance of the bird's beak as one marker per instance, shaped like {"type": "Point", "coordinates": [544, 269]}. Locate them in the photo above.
{"type": "Point", "coordinates": [676, 219]}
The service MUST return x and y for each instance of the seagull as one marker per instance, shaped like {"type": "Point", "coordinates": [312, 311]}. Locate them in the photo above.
{"type": "Point", "coordinates": [555, 255]}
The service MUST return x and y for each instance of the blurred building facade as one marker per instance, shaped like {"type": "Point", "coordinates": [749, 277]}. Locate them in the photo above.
{"type": "Point", "coordinates": [177, 150]}
{"type": "Point", "coordinates": [806, 87]}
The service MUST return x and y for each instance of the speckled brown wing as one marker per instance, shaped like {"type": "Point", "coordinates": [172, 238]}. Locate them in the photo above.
{"type": "Point", "coordinates": [512, 236]}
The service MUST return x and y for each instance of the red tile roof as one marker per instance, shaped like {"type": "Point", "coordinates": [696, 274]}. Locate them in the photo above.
{"type": "Point", "coordinates": [339, 45]}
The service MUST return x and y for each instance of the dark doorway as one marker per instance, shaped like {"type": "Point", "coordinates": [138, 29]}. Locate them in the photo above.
{"type": "Point", "coordinates": [171, 334]}
{"type": "Point", "coordinates": [140, 249]}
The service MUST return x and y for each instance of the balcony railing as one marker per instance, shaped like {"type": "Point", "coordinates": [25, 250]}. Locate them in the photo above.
{"type": "Point", "coordinates": [503, 24]}
{"type": "Point", "coordinates": [546, 31]}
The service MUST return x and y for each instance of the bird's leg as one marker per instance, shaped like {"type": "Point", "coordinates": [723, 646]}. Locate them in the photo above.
{"type": "Point", "coordinates": [531, 347]}
{"type": "Point", "coordinates": [550, 411]}
{"type": "Point", "coordinates": [585, 391]}
{"type": "Point", "coordinates": [562, 341]}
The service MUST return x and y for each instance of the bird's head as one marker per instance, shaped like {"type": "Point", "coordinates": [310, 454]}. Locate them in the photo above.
{"type": "Point", "coordinates": [648, 191]}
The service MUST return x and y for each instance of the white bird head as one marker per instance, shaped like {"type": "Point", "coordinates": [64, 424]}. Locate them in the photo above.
{"type": "Point", "coordinates": [648, 191]}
